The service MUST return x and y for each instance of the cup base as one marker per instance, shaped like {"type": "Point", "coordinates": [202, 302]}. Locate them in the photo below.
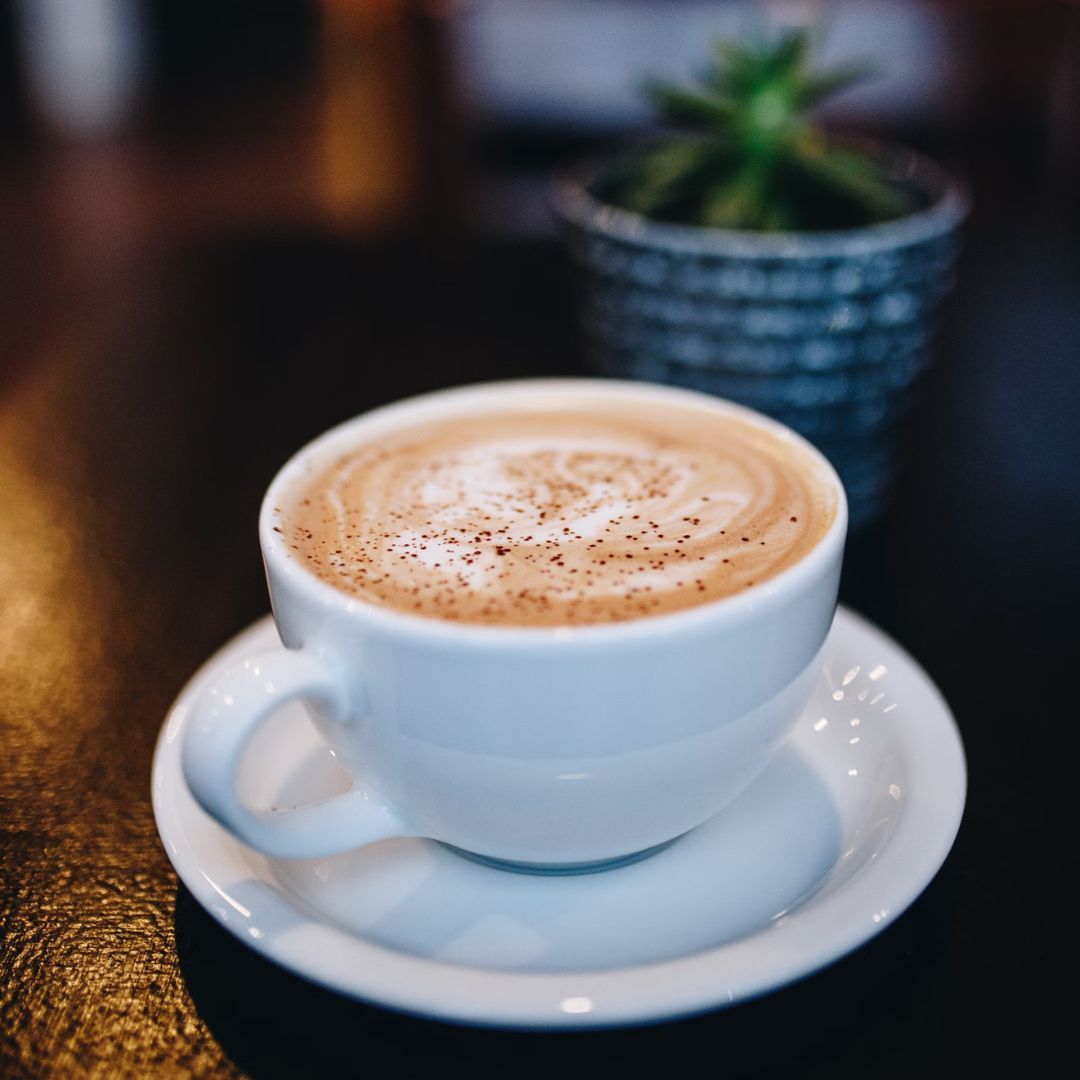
{"type": "Point", "coordinates": [560, 869]}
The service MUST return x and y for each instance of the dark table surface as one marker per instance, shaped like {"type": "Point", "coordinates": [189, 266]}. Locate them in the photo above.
{"type": "Point", "coordinates": [134, 449]}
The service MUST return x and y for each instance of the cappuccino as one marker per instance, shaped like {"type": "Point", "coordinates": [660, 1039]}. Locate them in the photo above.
{"type": "Point", "coordinates": [574, 513]}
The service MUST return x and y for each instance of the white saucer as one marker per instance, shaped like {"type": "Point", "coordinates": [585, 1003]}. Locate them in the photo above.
{"type": "Point", "coordinates": [835, 840]}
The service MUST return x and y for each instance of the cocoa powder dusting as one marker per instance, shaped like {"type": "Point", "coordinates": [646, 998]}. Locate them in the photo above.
{"type": "Point", "coordinates": [513, 518]}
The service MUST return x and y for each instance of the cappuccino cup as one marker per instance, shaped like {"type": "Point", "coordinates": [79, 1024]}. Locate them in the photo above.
{"type": "Point", "coordinates": [554, 624]}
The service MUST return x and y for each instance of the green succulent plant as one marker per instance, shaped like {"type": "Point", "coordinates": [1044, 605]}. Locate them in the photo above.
{"type": "Point", "coordinates": [750, 156]}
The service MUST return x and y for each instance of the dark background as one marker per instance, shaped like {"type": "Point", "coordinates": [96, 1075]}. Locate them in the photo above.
{"type": "Point", "coordinates": [250, 221]}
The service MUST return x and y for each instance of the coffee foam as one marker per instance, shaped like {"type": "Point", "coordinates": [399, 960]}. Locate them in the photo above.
{"type": "Point", "coordinates": [566, 516]}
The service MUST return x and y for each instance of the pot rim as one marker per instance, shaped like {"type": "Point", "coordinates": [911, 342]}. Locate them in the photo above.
{"type": "Point", "coordinates": [949, 206]}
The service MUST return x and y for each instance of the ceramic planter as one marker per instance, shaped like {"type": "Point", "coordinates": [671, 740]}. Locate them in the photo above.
{"type": "Point", "coordinates": [825, 331]}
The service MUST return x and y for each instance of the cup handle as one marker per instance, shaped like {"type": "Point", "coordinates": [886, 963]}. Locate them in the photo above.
{"type": "Point", "coordinates": [223, 719]}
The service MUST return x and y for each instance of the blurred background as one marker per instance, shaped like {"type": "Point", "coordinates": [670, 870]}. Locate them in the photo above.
{"type": "Point", "coordinates": [129, 126]}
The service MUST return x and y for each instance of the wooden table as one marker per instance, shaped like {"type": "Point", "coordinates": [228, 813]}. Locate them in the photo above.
{"type": "Point", "coordinates": [134, 448]}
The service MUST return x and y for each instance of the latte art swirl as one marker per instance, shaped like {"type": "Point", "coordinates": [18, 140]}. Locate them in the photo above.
{"type": "Point", "coordinates": [559, 517]}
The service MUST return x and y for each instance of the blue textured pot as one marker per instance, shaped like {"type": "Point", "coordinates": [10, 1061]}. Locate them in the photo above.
{"type": "Point", "coordinates": [826, 331]}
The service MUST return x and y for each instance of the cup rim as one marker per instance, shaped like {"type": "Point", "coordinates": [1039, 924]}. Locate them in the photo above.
{"type": "Point", "coordinates": [440, 404]}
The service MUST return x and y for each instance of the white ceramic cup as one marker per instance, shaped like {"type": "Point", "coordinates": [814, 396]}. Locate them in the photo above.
{"type": "Point", "coordinates": [544, 747]}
